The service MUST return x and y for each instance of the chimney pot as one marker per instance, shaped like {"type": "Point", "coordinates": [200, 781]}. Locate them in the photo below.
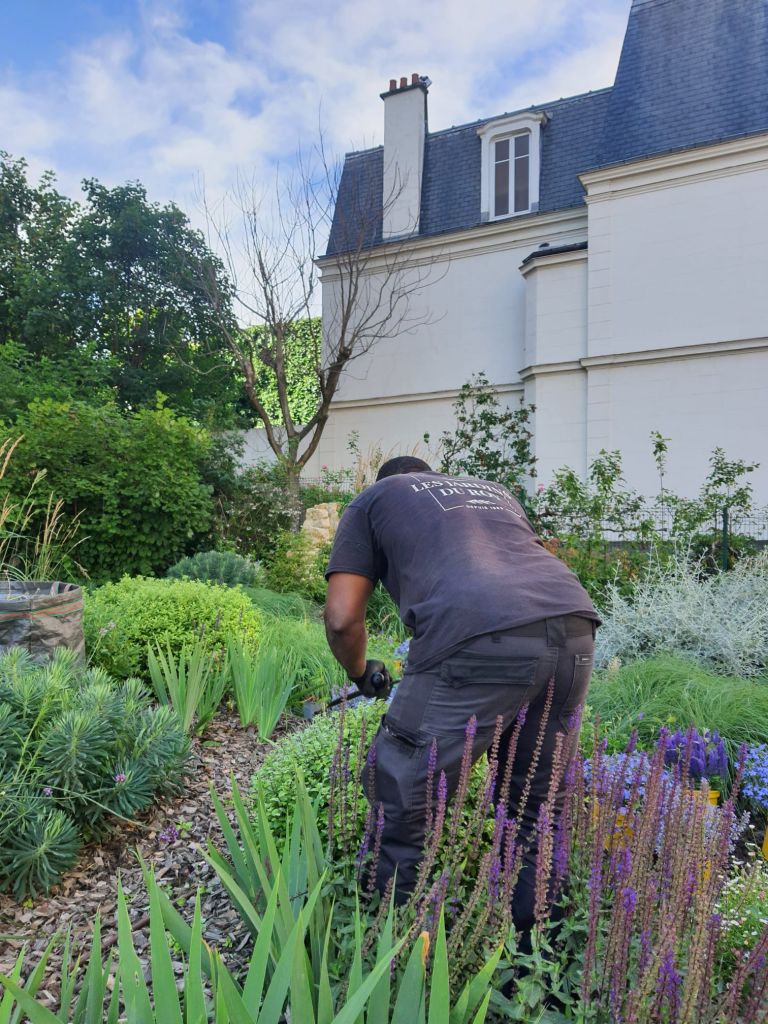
{"type": "Point", "coordinates": [392, 84]}
{"type": "Point", "coordinates": [403, 82]}
{"type": "Point", "coordinates": [414, 79]}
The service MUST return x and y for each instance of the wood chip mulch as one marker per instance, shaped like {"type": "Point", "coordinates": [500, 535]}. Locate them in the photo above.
{"type": "Point", "coordinates": [225, 750]}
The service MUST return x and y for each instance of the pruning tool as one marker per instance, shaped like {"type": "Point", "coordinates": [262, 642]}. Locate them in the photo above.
{"type": "Point", "coordinates": [379, 683]}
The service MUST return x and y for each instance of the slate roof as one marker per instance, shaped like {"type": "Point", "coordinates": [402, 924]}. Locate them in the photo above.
{"type": "Point", "coordinates": [691, 73]}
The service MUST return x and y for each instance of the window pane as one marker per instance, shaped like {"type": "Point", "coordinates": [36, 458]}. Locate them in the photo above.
{"type": "Point", "coordinates": [501, 201]}
{"type": "Point", "coordinates": [521, 183]}
{"type": "Point", "coordinates": [522, 144]}
{"type": "Point", "coordinates": [502, 150]}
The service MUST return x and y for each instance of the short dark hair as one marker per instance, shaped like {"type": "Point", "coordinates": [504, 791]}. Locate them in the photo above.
{"type": "Point", "coordinates": [402, 464]}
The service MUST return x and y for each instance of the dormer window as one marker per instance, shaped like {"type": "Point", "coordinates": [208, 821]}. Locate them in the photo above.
{"type": "Point", "coordinates": [511, 177]}
{"type": "Point", "coordinates": [510, 166]}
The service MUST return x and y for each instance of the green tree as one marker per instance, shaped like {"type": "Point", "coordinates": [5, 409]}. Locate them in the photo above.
{"type": "Point", "coordinates": [106, 284]}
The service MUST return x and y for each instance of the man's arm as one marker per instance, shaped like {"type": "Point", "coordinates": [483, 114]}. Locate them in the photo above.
{"type": "Point", "coordinates": [345, 629]}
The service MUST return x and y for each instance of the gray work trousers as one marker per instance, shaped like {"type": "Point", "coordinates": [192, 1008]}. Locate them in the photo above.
{"type": "Point", "coordinates": [492, 675]}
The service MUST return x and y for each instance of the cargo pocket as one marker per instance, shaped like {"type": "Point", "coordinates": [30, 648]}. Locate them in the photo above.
{"type": "Point", "coordinates": [486, 686]}
{"type": "Point", "coordinates": [400, 764]}
{"type": "Point", "coordinates": [577, 692]}
{"type": "Point", "coordinates": [488, 669]}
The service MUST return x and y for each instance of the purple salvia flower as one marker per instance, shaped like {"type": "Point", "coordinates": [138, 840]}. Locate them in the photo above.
{"type": "Point", "coordinates": [668, 985]}
{"type": "Point", "coordinates": [376, 848]}
{"type": "Point", "coordinates": [431, 768]}
{"type": "Point", "coordinates": [494, 877]}
{"type": "Point", "coordinates": [629, 899]}
{"type": "Point", "coordinates": [442, 789]}
{"type": "Point", "coordinates": [646, 951]}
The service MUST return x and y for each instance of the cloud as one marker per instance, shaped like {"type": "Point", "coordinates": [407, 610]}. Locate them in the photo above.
{"type": "Point", "coordinates": [154, 103]}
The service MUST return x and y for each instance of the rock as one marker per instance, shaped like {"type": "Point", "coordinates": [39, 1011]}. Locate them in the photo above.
{"type": "Point", "coordinates": [321, 522]}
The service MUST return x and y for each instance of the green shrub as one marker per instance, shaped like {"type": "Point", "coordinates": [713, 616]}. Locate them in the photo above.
{"type": "Point", "coordinates": [673, 692]}
{"type": "Point", "coordinates": [77, 749]}
{"type": "Point", "coordinates": [285, 606]}
{"type": "Point", "coordinates": [251, 512]}
{"type": "Point", "coordinates": [134, 479]}
{"type": "Point", "coordinates": [296, 566]}
{"type": "Point", "coordinates": [310, 752]}
{"type": "Point", "coordinates": [122, 619]}
{"type": "Point", "coordinates": [216, 567]}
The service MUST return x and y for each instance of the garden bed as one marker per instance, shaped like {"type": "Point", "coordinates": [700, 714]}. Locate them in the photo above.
{"type": "Point", "coordinates": [91, 887]}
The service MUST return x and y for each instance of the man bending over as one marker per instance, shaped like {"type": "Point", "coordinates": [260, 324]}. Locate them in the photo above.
{"type": "Point", "coordinates": [495, 618]}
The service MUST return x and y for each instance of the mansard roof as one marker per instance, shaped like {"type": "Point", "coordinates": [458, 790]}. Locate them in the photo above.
{"type": "Point", "coordinates": [691, 73]}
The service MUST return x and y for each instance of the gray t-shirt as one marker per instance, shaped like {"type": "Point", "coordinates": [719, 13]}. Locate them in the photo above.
{"type": "Point", "coordinates": [458, 557]}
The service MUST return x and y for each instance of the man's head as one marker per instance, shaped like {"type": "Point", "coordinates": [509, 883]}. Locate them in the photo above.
{"type": "Point", "coordinates": [402, 464]}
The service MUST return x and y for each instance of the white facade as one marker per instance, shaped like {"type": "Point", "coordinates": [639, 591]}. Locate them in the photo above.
{"type": "Point", "coordinates": [659, 323]}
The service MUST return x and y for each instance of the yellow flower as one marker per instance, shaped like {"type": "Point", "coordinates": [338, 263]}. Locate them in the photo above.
{"type": "Point", "coordinates": [424, 936]}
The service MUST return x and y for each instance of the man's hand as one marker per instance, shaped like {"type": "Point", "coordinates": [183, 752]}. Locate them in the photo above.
{"type": "Point", "coordinates": [375, 681]}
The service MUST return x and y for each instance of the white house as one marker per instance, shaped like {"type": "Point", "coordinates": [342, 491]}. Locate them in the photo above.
{"type": "Point", "coordinates": [604, 256]}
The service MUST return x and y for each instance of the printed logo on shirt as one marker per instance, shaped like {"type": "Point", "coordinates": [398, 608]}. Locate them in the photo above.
{"type": "Point", "coordinates": [453, 492]}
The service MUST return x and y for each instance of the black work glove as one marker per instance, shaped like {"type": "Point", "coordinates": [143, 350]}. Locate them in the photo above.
{"type": "Point", "coordinates": [375, 681]}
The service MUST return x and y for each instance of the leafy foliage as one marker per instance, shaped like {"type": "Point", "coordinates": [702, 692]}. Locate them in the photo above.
{"type": "Point", "coordinates": [216, 567]}
{"type": "Point", "coordinates": [133, 480]}
{"type": "Point", "coordinates": [490, 441]}
{"type": "Point", "coordinates": [77, 749]}
{"type": "Point", "coordinates": [303, 966]}
{"type": "Point", "coordinates": [296, 566]}
{"type": "Point", "coordinates": [283, 606]}
{"type": "Point", "coordinates": [302, 349]}
{"type": "Point", "coordinates": [302, 643]}
{"type": "Point", "coordinates": [252, 512]}
{"type": "Point", "coordinates": [122, 619]}
{"type": "Point", "coordinates": [309, 753]}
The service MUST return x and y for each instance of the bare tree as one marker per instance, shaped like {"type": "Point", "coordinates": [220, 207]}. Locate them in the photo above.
{"type": "Point", "coordinates": [270, 247]}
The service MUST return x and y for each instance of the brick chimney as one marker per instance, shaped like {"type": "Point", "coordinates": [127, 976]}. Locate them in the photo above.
{"type": "Point", "coordinates": [405, 129]}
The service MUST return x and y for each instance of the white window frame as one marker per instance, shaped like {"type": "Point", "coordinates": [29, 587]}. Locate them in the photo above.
{"type": "Point", "coordinates": [496, 131]}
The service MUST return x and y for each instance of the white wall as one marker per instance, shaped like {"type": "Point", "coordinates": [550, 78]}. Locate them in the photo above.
{"type": "Point", "coordinates": [677, 249]}
{"type": "Point", "coordinates": [474, 300]}
{"type": "Point", "coordinates": [678, 311]}
{"type": "Point", "coordinates": [700, 403]}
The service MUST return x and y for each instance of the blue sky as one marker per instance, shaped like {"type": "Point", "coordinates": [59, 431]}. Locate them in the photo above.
{"type": "Point", "coordinates": [172, 91]}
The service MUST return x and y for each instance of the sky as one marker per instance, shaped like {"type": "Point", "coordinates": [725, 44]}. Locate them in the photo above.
{"type": "Point", "coordinates": [175, 92]}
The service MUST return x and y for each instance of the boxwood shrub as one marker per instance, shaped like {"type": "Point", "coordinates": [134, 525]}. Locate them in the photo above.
{"type": "Point", "coordinates": [122, 619]}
